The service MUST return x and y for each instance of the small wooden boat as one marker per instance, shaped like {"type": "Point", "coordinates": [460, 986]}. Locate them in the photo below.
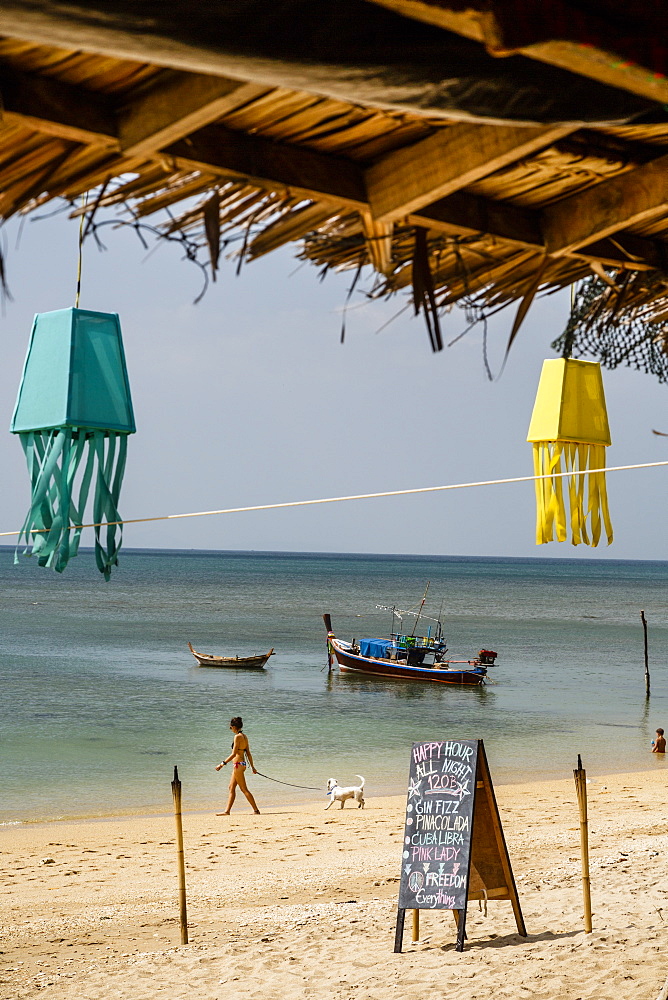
{"type": "Point", "coordinates": [236, 662]}
{"type": "Point", "coordinates": [407, 657]}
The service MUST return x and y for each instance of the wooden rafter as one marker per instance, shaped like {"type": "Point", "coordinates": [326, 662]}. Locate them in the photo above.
{"type": "Point", "coordinates": [176, 105]}
{"type": "Point", "coordinates": [454, 157]}
{"type": "Point", "coordinates": [466, 214]}
{"type": "Point", "coordinates": [166, 111]}
{"type": "Point", "coordinates": [607, 208]}
{"type": "Point", "coordinates": [57, 109]}
{"type": "Point", "coordinates": [584, 60]}
{"type": "Point", "coordinates": [271, 163]}
{"type": "Point", "coordinates": [628, 252]}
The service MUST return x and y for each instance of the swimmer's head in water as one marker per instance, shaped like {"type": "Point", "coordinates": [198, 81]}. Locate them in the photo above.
{"type": "Point", "coordinates": [237, 723]}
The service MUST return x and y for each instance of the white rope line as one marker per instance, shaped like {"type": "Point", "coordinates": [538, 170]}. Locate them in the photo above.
{"type": "Point", "coordinates": [358, 496]}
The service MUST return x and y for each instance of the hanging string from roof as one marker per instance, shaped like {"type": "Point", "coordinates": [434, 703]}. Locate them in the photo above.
{"type": "Point", "coordinates": [84, 202]}
{"type": "Point", "coordinates": [359, 496]}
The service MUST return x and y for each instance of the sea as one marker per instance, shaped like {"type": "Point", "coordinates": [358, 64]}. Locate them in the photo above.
{"type": "Point", "coordinates": [101, 697]}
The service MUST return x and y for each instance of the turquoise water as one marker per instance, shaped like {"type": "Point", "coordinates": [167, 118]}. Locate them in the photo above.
{"type": "Point", "coordinates": [101, 696]}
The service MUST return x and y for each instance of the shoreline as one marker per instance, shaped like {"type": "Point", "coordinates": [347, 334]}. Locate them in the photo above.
{"type": "Point", "coordinates": [300, 902]}
{"type": "Point", "coordinates": [659, 763]}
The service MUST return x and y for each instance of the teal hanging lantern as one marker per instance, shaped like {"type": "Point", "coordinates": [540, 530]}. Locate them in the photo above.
{"type": "Point", "coordinates": [73, 414]}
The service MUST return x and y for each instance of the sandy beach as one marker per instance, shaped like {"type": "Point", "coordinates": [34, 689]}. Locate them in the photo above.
{"type": "Point", "coordinates": [298, 903]}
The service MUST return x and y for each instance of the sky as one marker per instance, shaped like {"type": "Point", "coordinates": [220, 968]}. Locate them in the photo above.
{"type": "Point", "coordinates": [250, 398]}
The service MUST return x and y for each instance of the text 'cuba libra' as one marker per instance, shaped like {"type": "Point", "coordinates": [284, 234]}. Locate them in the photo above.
{"type": "Point", "coordinates": [569, 430]}
{"type": "Point", "coordinates": [73, 414]}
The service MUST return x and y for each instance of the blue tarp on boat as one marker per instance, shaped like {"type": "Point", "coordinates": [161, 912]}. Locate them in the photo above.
{"type": "Point", "coordinates": [376, 647]}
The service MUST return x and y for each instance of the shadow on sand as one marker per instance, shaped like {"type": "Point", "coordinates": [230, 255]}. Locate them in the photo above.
{"type": "Point", "coordinates": [504, 940]}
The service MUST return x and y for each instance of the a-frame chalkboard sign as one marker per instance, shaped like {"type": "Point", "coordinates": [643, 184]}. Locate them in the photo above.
{"type": "Point", "coordinates": [454, 849]}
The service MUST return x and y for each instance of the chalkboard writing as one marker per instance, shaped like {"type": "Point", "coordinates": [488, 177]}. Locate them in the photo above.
{"type": "Point", "coordinates": [454, 849]}
{"type": "Point", "coordinates": [439, 825]}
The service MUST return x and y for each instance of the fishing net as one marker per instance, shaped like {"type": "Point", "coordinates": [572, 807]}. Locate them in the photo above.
{"type": "Point", "coordinates": [623, 322]}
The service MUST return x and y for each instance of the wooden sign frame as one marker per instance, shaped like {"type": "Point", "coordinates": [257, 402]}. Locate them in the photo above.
{"type": "Point", "coordinates": [489, 874]}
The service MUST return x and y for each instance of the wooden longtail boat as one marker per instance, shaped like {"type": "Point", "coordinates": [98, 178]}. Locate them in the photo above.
{"type": "Point", "coordinates": [236, 662]}
{"type": "Point", "coordinates": [406, 657]}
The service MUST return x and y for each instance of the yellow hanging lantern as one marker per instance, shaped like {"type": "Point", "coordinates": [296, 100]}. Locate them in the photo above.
{"type": "Point", "coordinates": [569, 430]}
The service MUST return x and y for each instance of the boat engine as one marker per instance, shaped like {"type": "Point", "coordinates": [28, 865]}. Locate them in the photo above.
{"type": "Point", "coordinates": [487, 657]}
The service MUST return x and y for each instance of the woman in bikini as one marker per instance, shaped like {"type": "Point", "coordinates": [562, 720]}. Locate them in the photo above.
{"type": "Point", "coordinates": [240, 750]}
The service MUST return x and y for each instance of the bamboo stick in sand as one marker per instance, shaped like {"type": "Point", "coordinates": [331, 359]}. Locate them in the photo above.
{"type": "Point", "coordinates": [183, 914]}
{"type": "Point", "coordinates": [580, 776]}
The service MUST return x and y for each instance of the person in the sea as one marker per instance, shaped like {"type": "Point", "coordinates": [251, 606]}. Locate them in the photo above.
{"type": "Point", "coordinates": [240, 751]}
{"type": "Point", "coordinates": [659, 744]}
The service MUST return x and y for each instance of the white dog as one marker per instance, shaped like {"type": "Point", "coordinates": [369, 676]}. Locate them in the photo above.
{"type": "Point", "coordinates": [338, 794]}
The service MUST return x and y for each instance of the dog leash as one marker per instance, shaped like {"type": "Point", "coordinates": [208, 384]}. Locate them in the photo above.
{"type": "Point", "coordinates": [311, 788]}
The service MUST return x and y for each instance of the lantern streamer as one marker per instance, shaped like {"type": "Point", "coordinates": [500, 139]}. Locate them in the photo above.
{"type": "Point", "coordinates": [587, 494]}
{"type": "Point", "coordinates": [55, 520]}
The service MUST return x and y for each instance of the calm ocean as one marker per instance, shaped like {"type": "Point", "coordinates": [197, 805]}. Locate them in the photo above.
{"type": "Point", "coordinates": [101, 697]}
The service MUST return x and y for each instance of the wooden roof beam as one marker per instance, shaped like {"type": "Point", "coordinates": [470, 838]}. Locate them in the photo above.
{"type": "Point", "coordinates": [465, 214]}
{"type": "Point", "coordinates": [628, 252]}
{"type": "Point", "coordinates": [272, 164]}
{"type": "Point", "coordinates": [176, 105]}
{"type": "Point", "coordinates": [179, 103]}
{"type": "Point", "coordinates": [58, 109]}
{"type": "Point", "coordinates": [454, 157]}
{"type": "Point", "coordinates": [606, 208]}
{"type": "Point", "coordinates": [482, 26]}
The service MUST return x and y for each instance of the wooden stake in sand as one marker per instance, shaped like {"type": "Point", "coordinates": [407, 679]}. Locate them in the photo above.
{"type": "Point", "coordinates": [416, 925]}
{"type": "Point", "coordinates": [663, 994]}
{"type": "Point", "coordinates": [580, 776]}
{"type": "Point", "coordinates": [183, 913]}
{"type": "Point", "coordinates": [644, 626]}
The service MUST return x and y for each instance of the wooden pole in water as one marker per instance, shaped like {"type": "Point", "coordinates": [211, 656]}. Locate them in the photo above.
{"type": "Point", "coordinates": [644, 625]}
{"type": "Point", "coordinates": [328, 625]}
{"type": "Point", "coordinates": [183, 913]}
{"type": "Point", "coordinates": [416, 925]}
{"type": "Point", "coordinates": [580, 776]}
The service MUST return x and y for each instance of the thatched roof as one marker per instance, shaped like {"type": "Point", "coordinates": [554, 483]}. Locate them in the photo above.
{"type": "Point", "coordinates": [347, 127]}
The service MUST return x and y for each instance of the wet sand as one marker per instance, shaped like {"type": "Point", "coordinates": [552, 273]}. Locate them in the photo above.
{"type": "Point", "coordinates": [301, 903]}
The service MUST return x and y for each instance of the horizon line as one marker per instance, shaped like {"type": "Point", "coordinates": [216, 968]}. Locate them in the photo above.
{"type": "Point", "coordinates": [147, 550]}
